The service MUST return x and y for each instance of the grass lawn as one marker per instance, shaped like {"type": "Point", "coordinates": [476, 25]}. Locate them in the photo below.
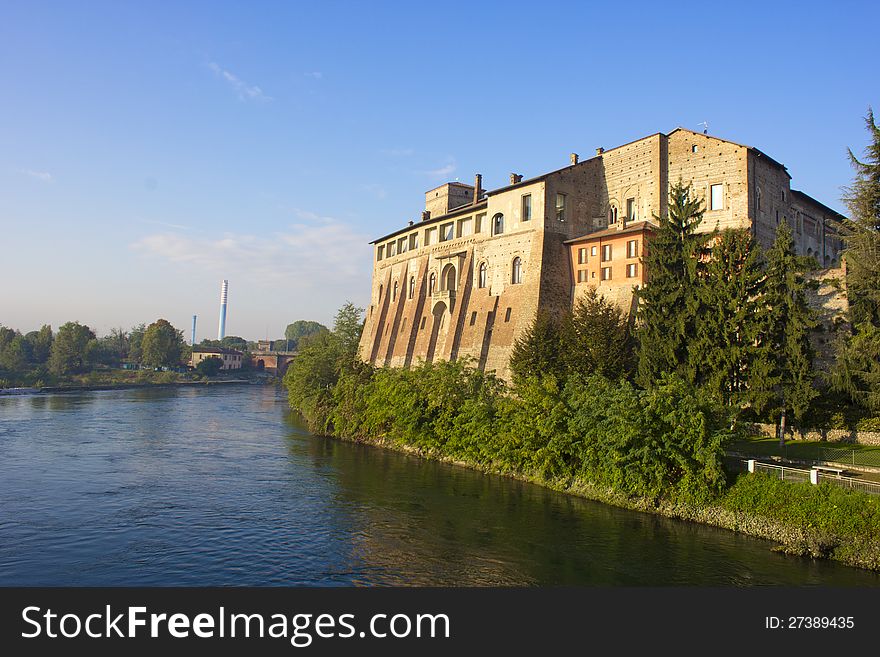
{"type": "Point", "coordinates": [847, 453]}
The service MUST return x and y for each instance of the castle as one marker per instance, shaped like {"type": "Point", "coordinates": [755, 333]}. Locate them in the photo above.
{"type": "Point", "coordinates": [467, 280]}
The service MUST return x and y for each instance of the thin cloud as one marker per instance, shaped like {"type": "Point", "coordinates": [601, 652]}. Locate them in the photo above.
{"type": "Point", "coordinates": [167, 225]}
{"type": "Point", "coordinates": [244, 90]}
{"type": "Point", "coordinates": [310, 253]}
{"type": "Point", "coordinates": [45, 176]}
{"type": "Point", "coordinates": [444, 171]}
{"type": "Point", "coordinates": [315, 75]}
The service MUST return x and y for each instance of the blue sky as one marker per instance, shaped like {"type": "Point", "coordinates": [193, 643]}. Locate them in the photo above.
{"type": "Point", "coordinates": [149, 150]}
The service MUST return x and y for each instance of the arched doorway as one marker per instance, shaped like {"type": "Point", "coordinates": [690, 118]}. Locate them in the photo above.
{"type": "Point", "coordinates": [437, 322]}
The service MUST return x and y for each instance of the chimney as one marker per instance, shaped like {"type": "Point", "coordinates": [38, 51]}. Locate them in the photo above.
{"type": "Point", "coordinates": [478, 188]}
{"type": "Point", "coordinates": [600, 150]}
{"type": "Point", "coordinates": [574, 158]}
{"type": "Point", "coordinates": [221, 329]}
{"type": "Point", "coordinates": [515, 178]}
{"type": "Point", "coordinates": [426, 214]}
{"type": "Point", "coordinates": [411, 222]}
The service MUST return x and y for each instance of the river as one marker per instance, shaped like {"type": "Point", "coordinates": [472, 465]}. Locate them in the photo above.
{"type": "Point", "coordinates": [224, 486]}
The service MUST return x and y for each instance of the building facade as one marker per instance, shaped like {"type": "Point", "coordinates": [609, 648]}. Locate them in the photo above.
{"type": "Point", "coordinates": [467, 279]}
{"type": "Point", "coordinates": [231, 358]}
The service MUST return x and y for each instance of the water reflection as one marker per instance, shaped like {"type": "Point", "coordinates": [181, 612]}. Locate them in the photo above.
{"type": "Point", "coordinates": [209, 486]}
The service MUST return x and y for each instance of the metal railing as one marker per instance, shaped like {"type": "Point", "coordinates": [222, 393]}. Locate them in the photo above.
{"type": "Point", "coordinates": [784, 473]}
{"type": "Point", "coordinates": [799, 475]}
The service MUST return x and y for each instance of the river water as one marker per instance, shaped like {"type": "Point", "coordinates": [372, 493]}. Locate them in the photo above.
{"type": "Point", "coordinates": [224, 486]}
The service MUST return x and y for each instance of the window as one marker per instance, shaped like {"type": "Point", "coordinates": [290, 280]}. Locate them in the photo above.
{"type": "Point", "coordinates": [632, 249]}
{"type": "Point", "coordinates": [430, 236]}
{"type": "Point", "coordinates": [507, 315]}
{"type": "Point", "coordinates": [716, 197]}
{"type": "Point", "coordinates": [422, 325]}
{"type": "Point", "coordinates": [606, 252]}
{"type": "Point", "coordinates": [582, 275]}
{"type": "Point", "coordinates": [632, 270]}
{"type": "Point", "coordinates": [390, 249]}
{"type": "Point", "coordinates": [606, 273]}
{"type": "Point", "coordinates": [473, 318]}
{"type": "Point", "coordinates": [783, 196]}
{"type": "Point", "coordinates": [412, 286]}
{"type": "Point", "coordinates": [592, 274]}
{"type": "Point", "coordinates": [465, 227]}
{"type": "Point", "coordinates": [560, 207]}
{"type": "Point", "coordinates": [498, 224]}
{"type": "Point", "coordinates": [402, 244]}
{"type": "Point", "coordinates": [481, 281]}
{"type": "Point", "coordinates": [582, 256]}
{"type": "Point", "coordinates": [758, 198]}
{"type": "Point", "coordinates": [479, 220]}
{"type": "Point", "coordinates": [612, 215]}
{"type": "Point", "coordinates": [630, 209]}
{"type": "Point", "coordinates": [517, 271]}
{"type": "Point", "coordinates": [695, 148]}
{"type": "Point", "coordinates": [380, 293]}
{"type": "Point", "coordinates": [394, 292]}
{"type": "Point", "coordinates": [447, 232]}
{"type": "Point", "coordinates": [526, 207]}
{"type": "Point", "coordinates": [799, 223]}
{"type": "Point", "coordinates": [593, 251]}
{"type": "Point", "coordinates": [380, 252]}
{"type": "Point", "coordinates": [432, 283]}
{"type": "Point", "coordinates": [413, 241]}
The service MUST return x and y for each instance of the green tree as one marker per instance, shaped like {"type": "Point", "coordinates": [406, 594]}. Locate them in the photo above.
{"type": "Point", "coordinates": [727, 349]}
{"type": "Point", "coordinates": [348, 326]}
{"type": "Point", "coordinates": [668, 304]}
{"type": "Point", "coordinates": [40, 343]}
{"type": "Point", "coordinates": [857, 370]}
{"type": "Point", "coordinates": [789, 321]}
{"type": "Point", "coordinates": [596, 339]}
{"type": "Point", "coordinates": [536, 353]}
{"type": "Point", "coordinates": [135, 341]}
{"type": "Point", "coordinates": [234, 342]}
{"type": "Point", "coordinates": [15, 355]}
{"type": "Point", "coordinates": [299, 329]}
{"type": "Point", "coordinates": [73, 350]}
{"type": "Point", "coordinates": [209, 366]}
{"type": "Point", "coordinates": [861, 232]}
{"type": "Point", "coordinates": [162, 344]}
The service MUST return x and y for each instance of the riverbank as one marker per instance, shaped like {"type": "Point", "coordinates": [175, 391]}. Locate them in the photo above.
{"type": "Point", "coordinates": [799, 536]}
{"type": "Point", "coordinates": [122, 386]}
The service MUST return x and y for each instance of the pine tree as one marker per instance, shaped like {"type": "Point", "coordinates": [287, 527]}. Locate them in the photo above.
{"type": "Point", "coordinates": [537, 351]}
{"type": "Point", "coordinates": [857, 371]}
{"type": "Point", "coordinates": [668, 303]}
{"type": "Point", "coordinates": [862, 232]}
{"type": "Point", "coordinates": [596, 339]}
{"type": "Point", "coordinates": [787, 333]}
{"type": "Point", "coordinates": [726, 350]}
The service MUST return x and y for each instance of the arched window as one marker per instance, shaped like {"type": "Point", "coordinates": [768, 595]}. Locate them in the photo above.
{"type": "Point", "coordinates": [394, 292]}
{"type": "Point", "coordinates": [481, 281]}
{"type": "Point", "coordinates": [449, 280]}
{"type": "Point", "coordinates": [380, 293]}
{"type": "Point", "coordinates": [498, 224]}
{"type": "Point", "coordinates": [517, 271]}
{"type": "Point", "coordinates": [612, 214]}
{"type": "Point", "coordinates": [412, 286]}
{"type": "Point", "coordinates": [432, 283]}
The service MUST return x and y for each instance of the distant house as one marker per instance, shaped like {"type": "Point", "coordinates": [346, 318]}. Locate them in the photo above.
{"type": "Point", "coordinates": [231, 358]}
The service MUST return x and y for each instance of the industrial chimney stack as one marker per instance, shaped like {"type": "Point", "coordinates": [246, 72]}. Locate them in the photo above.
{"type": "Point", "coordinates": [224, 289]}
{"type": "Point", "coordinates": [194, 331]}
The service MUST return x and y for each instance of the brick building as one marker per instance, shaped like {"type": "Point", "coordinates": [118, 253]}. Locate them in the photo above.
{"type": "Point", "coordinates": [467, 279]}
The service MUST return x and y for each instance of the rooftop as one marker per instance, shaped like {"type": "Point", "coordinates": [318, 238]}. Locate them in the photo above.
{"type": "Point", "coordinates": [635, 227]}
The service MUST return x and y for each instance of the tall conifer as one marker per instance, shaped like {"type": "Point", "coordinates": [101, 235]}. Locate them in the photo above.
{"type": "Point", "coordinates": [787, 333]}
{"type": "Point", "coordinates": [727, 349]}
{"type": "Point", "coordinates": [668, 303]}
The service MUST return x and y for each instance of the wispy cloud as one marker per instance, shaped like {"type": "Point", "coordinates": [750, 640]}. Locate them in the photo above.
{"type": "Point", "coordinates": [167, 224]}
{"type": "Point", "coordinates": [244, 90]}
{"type": "Point", "coordinates": [373, 190]}
{"type": "Point", "coordinates": [310, 253]}
{"type": "Point", "coordinates": [444, 170]}
{"type": "Point", "coordinates": [45, 176]}
{"type": "Point", "coordinates": [315, 75]}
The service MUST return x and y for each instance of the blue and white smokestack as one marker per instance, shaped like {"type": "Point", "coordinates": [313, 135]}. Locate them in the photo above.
{"type": "Point", "coordinates": [194, 330]}
{"type": "Point", "coordinates": [224, 289]}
